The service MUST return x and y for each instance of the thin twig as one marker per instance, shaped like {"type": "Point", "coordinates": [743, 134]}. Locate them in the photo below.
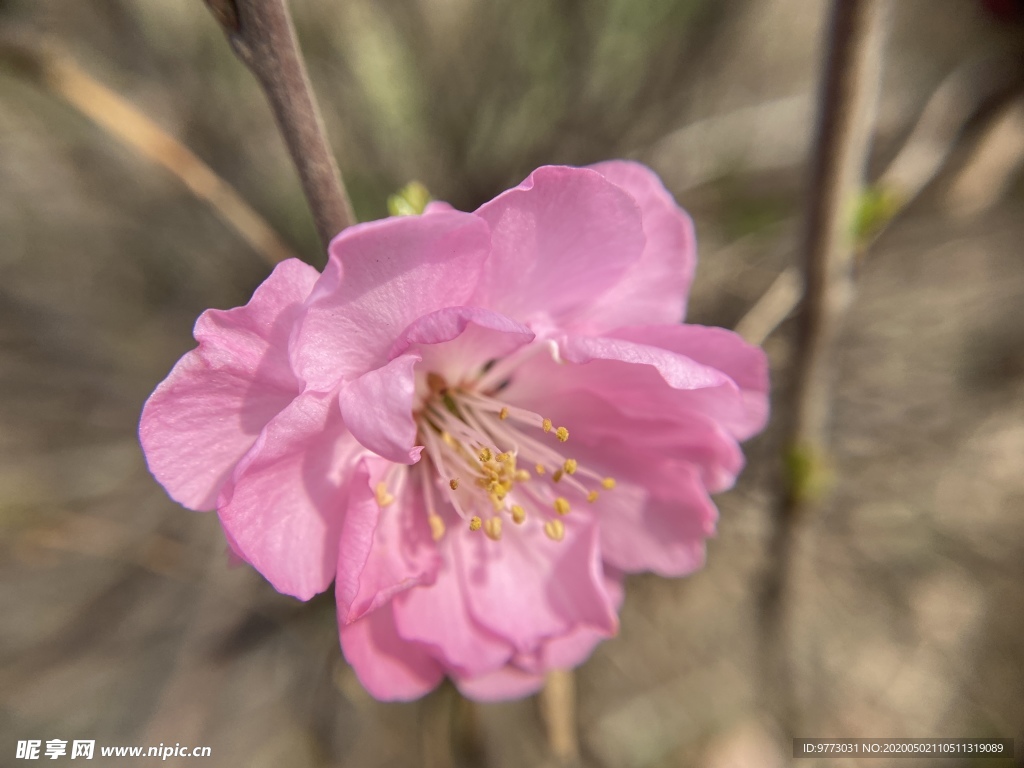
{"type": "Point", "coordinates": [262, 35]}
{"type": "Point", "coordinates": [58, 73]}
{"type": "Point", "coordinates": [993, 164]}
{"type": "Point", "coordinates": [772, 308]}
{"type": "Point", "coordinates": [970, 90]}
{"type": "Point", "coordinates": [558, 708]}
{"type": "Point", "coordinates": [847, 107]}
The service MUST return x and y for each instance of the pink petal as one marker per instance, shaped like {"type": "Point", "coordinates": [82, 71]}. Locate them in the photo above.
{"type": "Point", "coordinates": [654, 289]}
{"type": "Point", "coordinates": [526, 588]}
{"type": "Point", "coordinates": [382, 276]}
{"type": "Point", "coordinates": [389, 667]}
{"type": "Point", "coordinates": [573, 649]}
{"type": "Point", "coordinates": [208, 411]}
{"type": "Point", "coordinates": [377, 408]}
{"type": "Point", "coordinates": [382, 551]}
{"type": "Point", "coordinates": [437, 206]}
{"type": "Point", "coordinates": [464, 646]}
{"type": "Point", "coordinates": [723, 350]}
{"type": "Point", "coordinates": [500, 685]}
{"type": "Point", "coordinates": [618, 437]}
{"type": "Point", "coordinates": [643, 381]}
{"type": "Point", "coordinates": [558, 240]}
{"type": "Point", "coordinates": [458, 342]}
{"type": "Point", "coordinates": [644, 533]}
{"type": "Point", "coordinates": [284, 510]}
{"type": "Point", "coordinates": [454, 342]}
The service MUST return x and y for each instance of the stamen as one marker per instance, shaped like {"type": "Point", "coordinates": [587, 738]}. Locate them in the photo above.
{"type": "Point", "coordinates": [436, 382]}
{"type": "Point", "coordinates": [384, 498]}
{"type": "Point", "coordinates": [463, 429]}
{"type": "Point", "coordinates": [490, 405]}
{"type": "Point", "coordinates": [501, 370]}
{"type": "Point", "coordinates": [554, 529]}
{"type": "Point", "coordinates": [518, 514]}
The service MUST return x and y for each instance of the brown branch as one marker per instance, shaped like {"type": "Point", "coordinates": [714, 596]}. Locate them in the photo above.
{"type": "Point", "coordinates": [844, 124]}
{"type": "Point", "coordinates": [558, 709]}
{"type": "Point", "coordinates": [846, 112]}
{"type": "Point", "coordinates": [262, 35]}
{"type": "Point", "coordinates": [59, 74]}
{"type": "Point", "coordinates": [969, 91]}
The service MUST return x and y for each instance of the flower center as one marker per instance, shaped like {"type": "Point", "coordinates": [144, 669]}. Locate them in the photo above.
{"type": "Point", "coordinates": [493, 461]}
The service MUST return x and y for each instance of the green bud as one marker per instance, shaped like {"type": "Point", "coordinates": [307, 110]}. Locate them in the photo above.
{"type": "Point", "coordinates": [808, 474]}
{"type": "Point", "coordinates": [410, 200]}
{"type": "Point", "coordinates": [873, 210]}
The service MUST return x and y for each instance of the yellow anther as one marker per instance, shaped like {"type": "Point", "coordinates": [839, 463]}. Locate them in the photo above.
{"type": "Point", "coordinates": [522, 475]}
{"type": "Point", "coordinates": [485, 454]}
{"type": "Point", "coordinates": [475, 523]}
{"type": "Point", "coordinates": [493, 528]}
{"type": "Point", "coordinates": [383, 497]}
{"type": "Point", "coordinates": [554, 529]}
{"type": "Point", "coordinates": [504, 414]}
{"type": "Point", "coordinates": [436, 526]}
{"type": "Point", "coordinates": [562, 433]}
{"type": "Point", "coordinates": [501, 458]}
{"type": "Point", "coordinates": [570, 466]}
{"type": "Point", "coordinates": [557, 476]}
{"type": "Point", "coordinates": [561, 506]}
{"type": "Point", "coordinates": [454, 483]}
{"type": "Point", "coordinates": [518, 514]}
{"type": "Point", "coordinates": [547, 425]}
{"type": "Point", "coordinates": [540, 469]}
{"type": "Point", "coordinates": [447, 438]}
{"type": "Point", "coordinates": [592, 496]}
{"type": "Point", "coordinates": [608, 482]}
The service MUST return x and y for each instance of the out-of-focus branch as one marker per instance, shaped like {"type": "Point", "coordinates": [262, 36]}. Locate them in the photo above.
{"type": "Point", "coordinates": [848, 102]}
{"type": "Point", "coordinates": [990, 171]}
{"type": "Point", "coordinates": [262, 35]}
{"type": "Point", "coordinates": [772, 308]}
{"type": "Point", "coordinates": [58, 73]}
{"type": "Point", "coordinates": [968, 91]}
{"type": "Point", "coordinates": [558, 708]}
{"type": "Point", "coordinates": [846, 113]}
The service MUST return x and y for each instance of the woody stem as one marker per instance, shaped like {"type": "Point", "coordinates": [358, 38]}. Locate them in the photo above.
{"type": "Point", "coordinates": [263, 37]}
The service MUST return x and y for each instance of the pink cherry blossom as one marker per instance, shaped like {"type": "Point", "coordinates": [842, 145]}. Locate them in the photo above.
{"type": "Point", "coordinates": [474, 424]}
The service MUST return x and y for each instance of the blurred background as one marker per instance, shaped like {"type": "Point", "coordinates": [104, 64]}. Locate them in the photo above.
{"type": "Point", "coordinates": [124, 623]}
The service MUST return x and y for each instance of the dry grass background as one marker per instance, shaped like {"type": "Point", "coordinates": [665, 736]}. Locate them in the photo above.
{"type": "Point", "coordinates": [122, 621]}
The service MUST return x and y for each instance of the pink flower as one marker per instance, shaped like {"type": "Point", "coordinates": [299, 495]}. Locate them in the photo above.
{"type": "Point", "coordinates": [473, 423]}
